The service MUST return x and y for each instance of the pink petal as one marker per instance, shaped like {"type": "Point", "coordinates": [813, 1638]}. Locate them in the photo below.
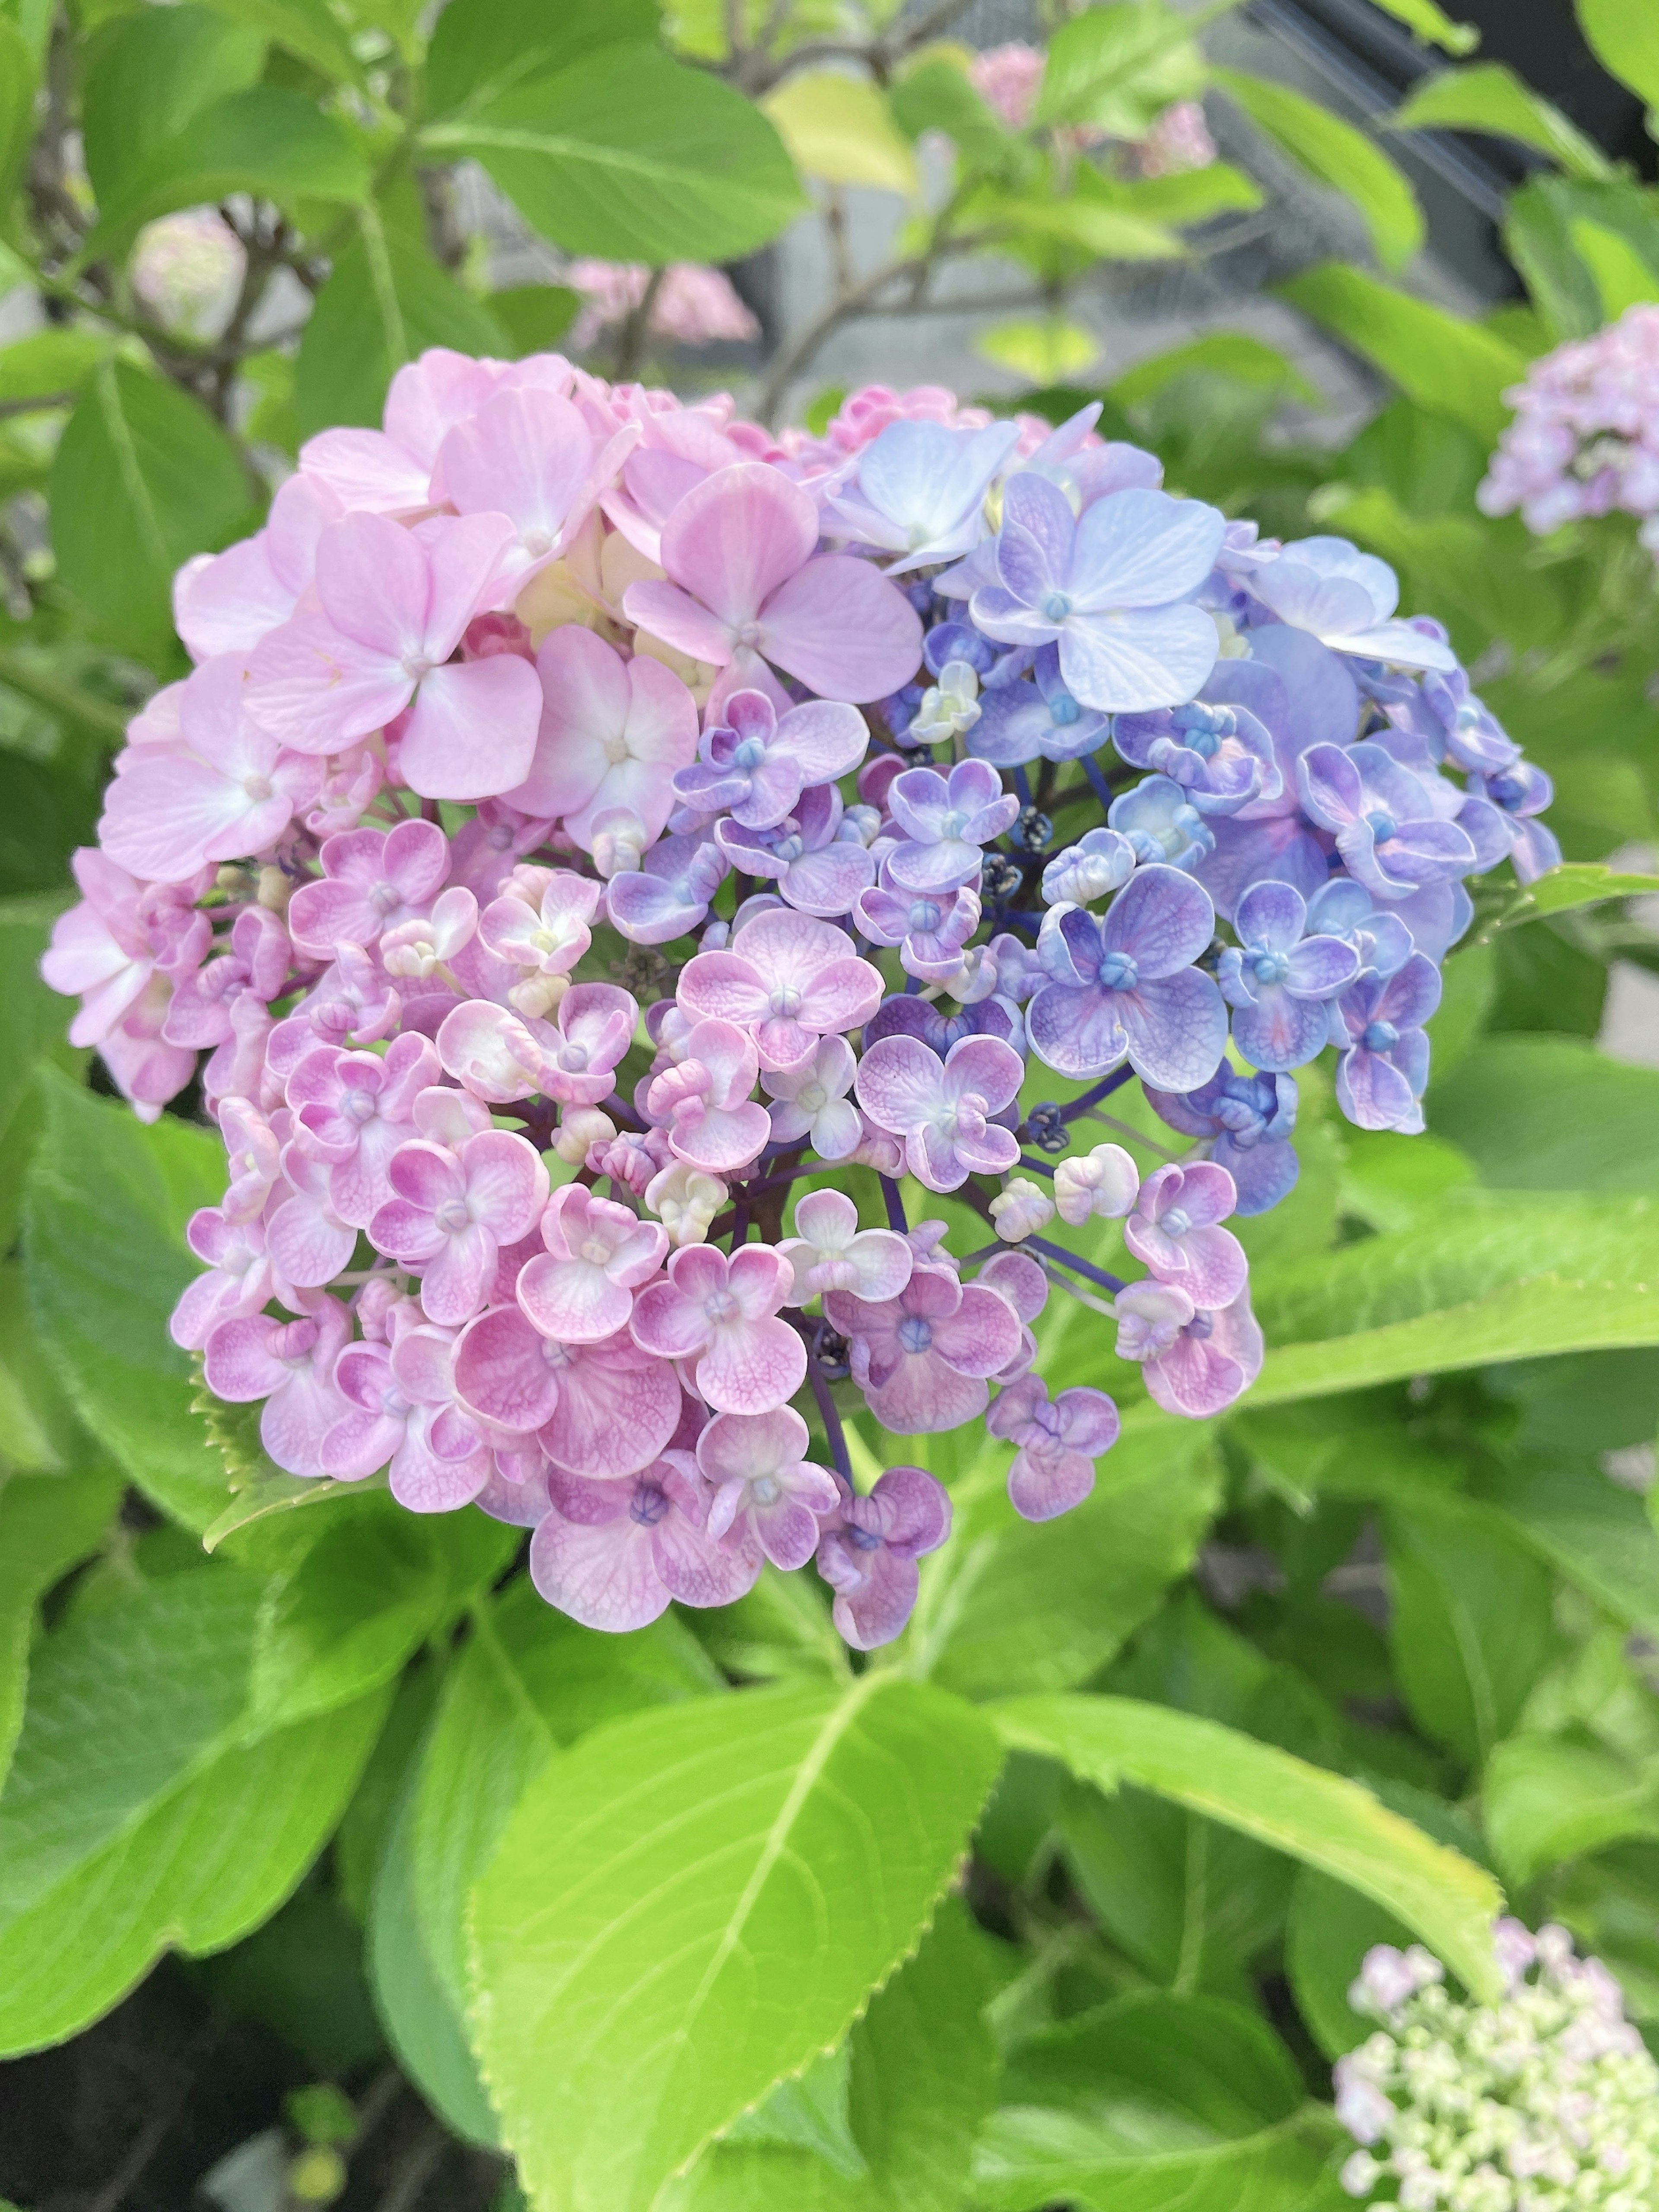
{"type": "Point", "coordinates": [506, 1182]}
{"type": "Point", "coordinates": [613, 1418]}
{"type": "Point", "coordinates": [663, 611]}
{"type": "Point", "coordinates": [604, 1576]}
{"type": "Point", "coordinates": [504, 1371]}
{"type": "Point", "coordinates": [751, 1366]}
{"type": "Point", "coordinates": [843, 631]}
{"type": "Point", "coordinates": [472, 734]}
{"type": "Point", "coordinates": [316, 688]}
{"type": "Point", "coordinates": [238, 1366]}
{"type": "Point", "coordinates": [739, 535]}
{"type": "Point", "coordinates": [372, 582]}
{"type": "Point", "coordinates": [572, 1300]}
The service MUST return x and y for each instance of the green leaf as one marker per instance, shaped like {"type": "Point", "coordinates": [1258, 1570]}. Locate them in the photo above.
{"type": "Point", "coordinates": [842, 129]}
{"type": "Point", "coordinates": [1118, 68]}
{"type": "Point", "coordinates": [38, 1432]}
{"type": "Point", "coordinates": [305, 28]}
{"type": "Point", "coordinates": [144, 477]}
{"type": "Point", "coordinates": [808, 2112]}
{"type": "Point", "coordinates": [934, 94]}
{"type": "Point", "coordinates": [48, 1524]}
{"type": "Point", "coordinates": [1541, 1113]}
{"type": "Point", "coordinates": [1570, 886]}
{"type": "Point", "coordinates": [344, 1619]}
{"type": "Point", "coordinates": [105, 1212]}
{"type": "Point", "coordinates": [1624, 36]}
{"type": "Point", "coordinates": [1494, 1278]}
{"type": "Point", "coordinates": [1544, 1799]}
{"type": "Point", "coordinates": [1624, 278]}
{"type": "Point", "coordinates": [19, 81]}
{"type": "Point", "coordinates": [689, 1905]}
{"type": "Point", "coordinates": [1489, 96]}
{"type": "Point", "coordinates": [1447, 365]}
{"type": "Point", "coordinates": [918, 2075]}
{"type": "Point", "coordinates": [1595, 1535]}
{"type": "Point", "coordinates": [33, 1023]}
{"type": "Point", "coordinates": [1321, 1818]}
{"type": "Point", "coordinates": [1094, 227]}
{"type": "Point", "coordinates": [274, 143]}
{"type": "Point", "coordinates": [1151, 2104]}
{"type": "Point", "coordinates": [535, 316]}
{"type": "Point", "coordinates": [1014, 1605]}
{"type": "Point", "coordinates": [139, 1812]}
{"type": "Point", "coordinates": [148, 75]}
{"type": "Point", "coordinates": [1333, 153]}
{"type": "Point", "coordinates": [1049, 351]}
{"type": "Point", "coordinates": [386, 302]}
{"type": "Point", "coordinates": [1470, 1624]}
{"type": "Point", "coordinates": [1425, 20]}
{"type": "Point", "coordinates": [50, 363]}
{"type": "Point", "coordinates": [1192, 195]}
{"type": "Point", "coordinates": [632, 155]}
{"type": "Point", "coordinates": [529, 1681]}
{"type": "Point", "coordinates": [1219, 353]}
{"type": "Point", "coordinates": [483, 48]}
{"type": "Point", "coordinates": [422, 2021]}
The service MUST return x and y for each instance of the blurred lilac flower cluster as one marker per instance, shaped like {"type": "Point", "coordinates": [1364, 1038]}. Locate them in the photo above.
{"type": "Point", "coordinates": [1585, 437]}
{"type": "Point", "coordinates": [602, 850]}
{"type": "Point", "coordinates": [1546, 2101]}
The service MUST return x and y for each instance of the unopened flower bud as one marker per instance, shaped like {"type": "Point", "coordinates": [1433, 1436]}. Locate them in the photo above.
{"type": "Point", "coordinates": [538, 995]}
{"type": "Point", "coordinates": [1021, 1209]}
{"type": "Point", "coordinates": [685, 1201]}
{"type": "Point", "coordinates": [275, 889]}
{"type": "Point", "coordinates": [619, 841]}
{"type": "Point", "coordinates": [1103, 1182]}
{"type": "Point", "coordinates": [580, 1126]}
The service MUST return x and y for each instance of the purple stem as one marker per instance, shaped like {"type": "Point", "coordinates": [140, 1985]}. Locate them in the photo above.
{"type": "Point", "coordinates": [1103, 790]}
{"type": "Point", "coordinates": [1037, 1167]}
{"type": "Point", "coordinates": [618, 1105]}
{"type": "Point", "coordinates": [1065, 1259]}
{"type": "Point", "coordinates": [824, 1400]}
{"type": "Point", "coordinates": [1103, 1088]}
{"type": "Point", "coordinates": [895, 1205]}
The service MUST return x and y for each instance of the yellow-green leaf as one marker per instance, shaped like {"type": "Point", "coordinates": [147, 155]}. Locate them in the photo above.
{"type": "Point", "coordinates": [841, 128]}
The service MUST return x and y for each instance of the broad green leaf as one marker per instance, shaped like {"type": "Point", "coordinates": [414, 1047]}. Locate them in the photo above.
{"type": "Point", "coordinates": [1624, 36]}
{"type": "Point", "coordinates": [422, 2019]}
{"type": "Point", "coordinates": [1192, 195]}
{"type": "Point", "coordinates": [1623, 277]}
{"type": "Point", "coordinates": [274, 143]}
{"type": "Point", "coordinates": [918, 2075]}
{"type": "Point", "coordinates": [1334, 153]}
{"type": "Point", "coordinates": [1118, 68]}
{"type": "Point", "coordinates": [842, 129]}
{"type": "Point", "coordinates": [1494, 1278]}
{"type": "Point", "coordinates": [1390, 1182]}
{"type": "Point", "coordinates": [1489, 96]}
{"type": "Point", "coordinates": [1445, 364]}
{"type": "Point", "coordinates": [1053, 350]}
{"type": "Point", "coordinates": [535, 316]}
{"type": "Point", "coordinates": [1595, 1535]}
{"type": "Point", "coordinates": [345, 1616]}
{"type": "Point", "coordinates": [49, 364]}
{"type": "Point", "coordinates": [528, 1680]}
{"type": "Point", "coordinates": [633, 156]}
{"type": "Point", "coordinates": [1330, 1929]}
{"type": "Point", "coordinates": [1321, 1818]}
{"type": "Point", "coordinates": [33, 1025]}
{"type": "Point", "coordinates": [483, 48]}
{"type": "Point", "coordinates": [1470, 1623]}
{"type": "Point", "coordinates": [1220, 353]}
{"type": "Point", "coordinates": [689, 1905]}
{"type": "Point", "coordinates": [1537, 234]}
{"type": "Point", "coordinates": [1426, 20]}
{"type": "Point", "coordinates": [808, 2112]}
{"type": "Point", "coordinates": [1011, 1605]}
{"type": "Point", "coordinates": [1150, 2104]}
{"type": "Point", "coordinates": [144, 477]}
{"type": "Point", "coordinates": [1092, 226]}
{"type": "Point", "coordinates": [148, 75]}
{"type": "Point", "coordinates": [305, 28]}
{"type": "Point", "coordinates": [105, 1214]}
{"type": "Point", "coordinates": [386, 302]}
{"type": "Point", "coordinates": [1545, 1798]}
{"type": "Point", "coordinates": [1542, 1113]}
{"type": "Point", "coordinates": [139, 1806]}
{"type": "Point", "coordinates": [934, 94]}
{"type": "Point", "coordinates": [19, 81]}
{"type": "Point", "coordinates": [48, 1524]}
{"type": "Point", "coordinates": [38, 1432]}
{"type": "Point", "coordinates": [1567, 888]}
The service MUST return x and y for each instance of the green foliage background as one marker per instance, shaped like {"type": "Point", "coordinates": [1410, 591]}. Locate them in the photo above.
{"type": "Point", "coordinates": [1058, 1899]}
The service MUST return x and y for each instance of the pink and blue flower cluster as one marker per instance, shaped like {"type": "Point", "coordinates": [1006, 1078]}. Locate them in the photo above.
{"type": "Point", "coordinates": [600, 845]}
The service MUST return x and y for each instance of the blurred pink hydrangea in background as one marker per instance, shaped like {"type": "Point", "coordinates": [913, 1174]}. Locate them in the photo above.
{"type": "Point", "coordinates": [694, 305]}
{"type": "Point", "coordinates": [1178, 142]}
{"type": "Point", "coordinates": [188, 270]}
{"type": "Point", "coordinates": [1585, 437]}
{"type": "Point", "coordinates": [1009, 77]}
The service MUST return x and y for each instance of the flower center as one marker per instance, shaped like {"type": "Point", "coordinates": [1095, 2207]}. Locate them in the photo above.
{"type": "Point", "coordinates": [749, 754]}
{"type": "Point", "coordinates": [360, 1106]}
{"type": "Point", "coordinates": [1055, 607]}
{"type": "Point", "coordinates": [1064, 710]}
{"type": "Point", "coordinates": [1271, 967]}
{"type": "Point", "coordinates": [384, 897]}
{"type": "Point", "coordinates": [415, 667]}
{"type": "Point", "coordinates": [258, 788]}
{"type": "Point", "coordinates": [721, 1307]}
{"type": "Point", "coordinates": [953, 824]}
{"type": "Point", "coordinates": [766, 1490]}
{"type": "Point", "coordinates": [451, 1217]}
{"type": "Point", "coordinates": [616, 748]}
{"type": "Point", "coordinates": [538, 542]}
{"type": "Point", "coordinates": [595, 1251]}
{"type": "Point", "coordinates": [862, 1540]}
{"type": "Point", "coordinates": [813, 1099]}
{"type": "Point", "coordinates": [1380, 1036]}
{"type": "Point", "coordinates": [915, 1334]}
{"type": "Point", "coordinates": [785, 1001]}
{"type": "Point", "coordinates": [573, 1059]}
{"type": "Point", "coordinates": [650, 1504]}
{"type": "Point", "coordinates": [1381, 824]}
{"type": "Point", "coordinates": [557, 1355]}
{"type": "Point", "coordinates": [1118, 972]}
{"type": "Point", "coordinates": [923, 918]}
{"type": "Point", "coordinates": [1177, 1222]}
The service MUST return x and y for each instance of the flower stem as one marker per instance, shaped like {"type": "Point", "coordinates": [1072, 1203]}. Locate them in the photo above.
{"type": "Point", "coordinates": [1103, 1088]}
{"type": "Point", "coordinates": [895, 1205]}
{"type": "Point", "coordinates": [1065, 1259]}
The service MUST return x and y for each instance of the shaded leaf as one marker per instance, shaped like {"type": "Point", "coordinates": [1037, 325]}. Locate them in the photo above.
{"type": "Point", "coordinates": [842, 129]}
{"type": "Point", "coordinates": [147, 74]}
{"type": "Point", "coordinates": [1220, 353]}
{"type": "Point", "coordinates": [483, 48]}
{"type": "Point", "coordinates": [1624, 36]}
{"type": "Point", "coordinates": [48, 1524]}
{"type": "Point", "coordinates": [1321, 1818]}
{"type": "Point", "coordinates": [1538, 1112]}
{"type": "Point", "coordinates": [1595, 1535]}
{"type": "Point", "coordinates": [1447, 365]}
{"type": "Point", "coordinates": [1118, 68]}
{"type": "Point", "coordinates": [1545, 1798]}
{"type": "Point", "coordinates": [1489, 96]}
{"type": "Point", "coordinates": [1334, 153]}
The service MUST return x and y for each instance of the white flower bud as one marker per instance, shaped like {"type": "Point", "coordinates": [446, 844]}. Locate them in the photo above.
{"type": "Point", "coordinates": [685, 1201]}
{"type": "Point", "coordinates": [1021, 1209]}
{"type": "Point", "coordinates": [1103, 1182]}
{"type": "Point", "coordinates": [619, 841]}
{"type": "Point", "coordinates": [580, 1126]}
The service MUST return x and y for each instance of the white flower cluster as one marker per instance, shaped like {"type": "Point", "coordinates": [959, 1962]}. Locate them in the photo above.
{"type": "Point", "coordinates": [1547, 2101]}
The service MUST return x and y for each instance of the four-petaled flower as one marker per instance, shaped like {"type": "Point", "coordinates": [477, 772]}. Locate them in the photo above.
{"type": "Point", "coordinates": [788, 978]}
{"type": "Point", "coordinates": [1057, 1443]}
{"type": "Point", "coordinates": [867, 1553]}
{"type": "Point", "coordinates": [453, 1211]}
{"type": "Point", "coordinates": [924, 1358]}
{"type": "Point", "coordinates": [581, 1288]}
{"type": "Point", "coordinates": [1280, 981]}
{"type": "Point", "coordinates": [756, 763]}
{"type": "Point", "coordinates": [1377, 1026]}
{"type": "Point", "coordinates": [611, 1554]}
{"type": "Point", "coordinates": [830, 1252]}
{"type": "Point", "coordinates": [720, 1314]}
{"type": "Point", "coordinates": [946, 819]}
{"type": "Point", "coordinates": [766, 1493]}
{"type": "Point", "coordinates": [943, 1109]}
{"type": "Point", "coordinates": [1174, 1229]}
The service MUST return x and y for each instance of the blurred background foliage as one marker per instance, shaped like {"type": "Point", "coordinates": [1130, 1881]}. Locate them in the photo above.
{"type": "Point", "coordinates": [1422, 1557]}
